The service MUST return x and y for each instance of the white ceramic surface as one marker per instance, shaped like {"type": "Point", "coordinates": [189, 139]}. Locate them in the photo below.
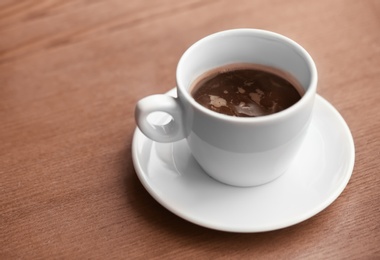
{"type": "Point", "coordinates": [234, 150]}
{"type": "Point", "coordinates": [316, 178]}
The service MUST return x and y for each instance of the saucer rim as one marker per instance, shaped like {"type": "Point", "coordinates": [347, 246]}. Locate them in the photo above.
{"type": "Point", "coordinates": [335, 193]}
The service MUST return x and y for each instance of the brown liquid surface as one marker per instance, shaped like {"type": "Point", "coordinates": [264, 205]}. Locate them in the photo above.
{"type": "Point", "coordinates": [246, 90]}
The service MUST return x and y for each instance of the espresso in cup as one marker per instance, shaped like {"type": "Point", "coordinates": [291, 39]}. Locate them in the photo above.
{"type": "Point", "coordinates": [251, 147]}
{"type": "Point", "coordinates": [246, 90]}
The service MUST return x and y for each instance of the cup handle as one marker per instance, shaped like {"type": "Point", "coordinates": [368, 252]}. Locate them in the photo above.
{"type": "Point", "coordinates": [164, 133]}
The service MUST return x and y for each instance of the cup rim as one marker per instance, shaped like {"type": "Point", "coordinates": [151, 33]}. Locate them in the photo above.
{"type": "Point", "coordinates": [309, 93]}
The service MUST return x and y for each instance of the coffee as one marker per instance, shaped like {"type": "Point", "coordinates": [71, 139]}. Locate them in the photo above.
{"type": "Point", "coordinates": [246, 90]}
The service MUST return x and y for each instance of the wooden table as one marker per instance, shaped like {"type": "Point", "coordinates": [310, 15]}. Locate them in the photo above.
{"type": "Point", "coordinates": [70, 75]}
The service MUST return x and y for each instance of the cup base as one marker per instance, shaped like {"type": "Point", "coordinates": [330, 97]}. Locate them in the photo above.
{"type": "Point", "coordinates": [246, 184]}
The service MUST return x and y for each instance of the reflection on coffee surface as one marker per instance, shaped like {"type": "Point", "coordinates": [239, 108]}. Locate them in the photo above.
{"type": "Point", "coordinates": [246, 90]}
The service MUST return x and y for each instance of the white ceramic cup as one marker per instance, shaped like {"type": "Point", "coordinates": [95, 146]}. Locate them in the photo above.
{"type": "Point", "coordinates": [238, 151]}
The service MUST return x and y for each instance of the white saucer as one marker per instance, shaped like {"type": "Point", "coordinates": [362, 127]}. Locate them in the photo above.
{"type": "Point", "coordinates": [317, 177]}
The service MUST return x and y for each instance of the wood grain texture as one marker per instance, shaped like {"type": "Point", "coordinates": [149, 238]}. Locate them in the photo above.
{"type": "Point", "coordinates": [70, 75]}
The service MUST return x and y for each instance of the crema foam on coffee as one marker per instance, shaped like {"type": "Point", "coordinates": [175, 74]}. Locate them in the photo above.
{"type": "Point", "coordinates": [246, 90]}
